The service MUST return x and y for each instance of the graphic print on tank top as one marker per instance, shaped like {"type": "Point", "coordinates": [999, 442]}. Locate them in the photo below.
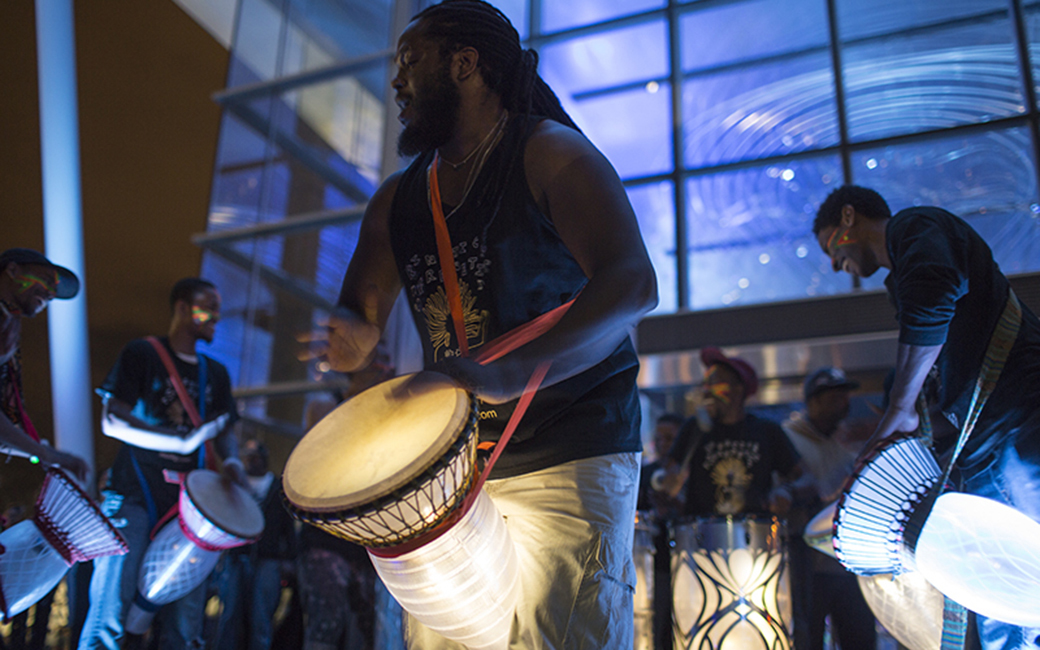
{"type": "Point", "coordinates": [426, 291]}
{"type": "Point", "coordinates": [729, 464]}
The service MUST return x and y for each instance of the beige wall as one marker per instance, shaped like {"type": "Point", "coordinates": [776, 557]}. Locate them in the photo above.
{"type": "Point", "coordinates": [148, 132]}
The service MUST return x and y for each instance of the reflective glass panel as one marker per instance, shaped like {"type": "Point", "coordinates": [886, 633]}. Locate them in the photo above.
{"type": "Point", "coordinates": [933, 80]}
{"type": "Point", "coordinates": [557, 16]}
{"type": "Point", "coordinates": [865, 18]}
{"type": "Point", "coordinates": [750, 234]}
{"type": "Point", "coordinates": [749, 30]}
{"type": "Point", "coordinates": [762, 110]}
{"type": "Point", "coordinates": [1032, 18]}
{"type": "Point", "coordinates": [315, 34]}
{"type": "Point", "coordinates": [988, 179]}
{"type": "Point", "coordinates": [632, 128]}
{"type": "Point", "coordinates": [602, 61]}
{"type": "Point", "coordinates": [654, 205]}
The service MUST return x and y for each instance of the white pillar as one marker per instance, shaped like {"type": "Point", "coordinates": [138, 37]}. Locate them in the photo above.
{"type": "Point", "coordinates": [63, 225]}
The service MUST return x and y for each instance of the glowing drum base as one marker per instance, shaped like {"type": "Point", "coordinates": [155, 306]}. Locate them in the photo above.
{"type": "Point", "coordinates": [213, 515]}
{"type": "Point", "coordinates": [463, 585]}
{"type": "Point", "coordinates": [388, 468]}
{"type": "Point", "coordinates": [984, 555]}
{"type": "Point", "coordinates": [730, 585]}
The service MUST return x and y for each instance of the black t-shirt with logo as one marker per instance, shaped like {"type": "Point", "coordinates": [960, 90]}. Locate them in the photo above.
{"type": "Point", "coordinates": [731, 471]}
{"type": "Point", "coordinates": [140, 380]}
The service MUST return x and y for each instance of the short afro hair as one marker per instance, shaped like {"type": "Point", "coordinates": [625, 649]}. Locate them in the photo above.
{"type": "Point", "coordinates": [186, 288]}
{"type": "Point", "coordinates": [864, 200]}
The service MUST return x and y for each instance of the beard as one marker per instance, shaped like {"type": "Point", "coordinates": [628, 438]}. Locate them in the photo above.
{"type": "Point", "coordinates": [436, 109]}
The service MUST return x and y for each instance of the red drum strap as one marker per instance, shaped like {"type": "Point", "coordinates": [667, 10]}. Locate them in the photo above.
{"type": "Point", "coordinates": [182, 393]}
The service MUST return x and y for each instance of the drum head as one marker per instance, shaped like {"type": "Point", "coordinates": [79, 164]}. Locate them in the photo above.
{"type": "Point", "coordinates": [376, 442]}
{"type": "Point", "coordinates": [225, 504]}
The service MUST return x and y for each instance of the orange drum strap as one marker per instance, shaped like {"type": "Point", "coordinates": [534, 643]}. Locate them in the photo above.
{"type": "Point", "coordinates": [447, 258]}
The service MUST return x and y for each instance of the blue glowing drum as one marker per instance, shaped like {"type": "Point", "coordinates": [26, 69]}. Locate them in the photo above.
{"type": "Point", "coordinates": [730, 584]}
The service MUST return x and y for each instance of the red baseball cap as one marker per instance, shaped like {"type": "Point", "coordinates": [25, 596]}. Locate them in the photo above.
{"type": "Point", "coordinates": [712, 355]}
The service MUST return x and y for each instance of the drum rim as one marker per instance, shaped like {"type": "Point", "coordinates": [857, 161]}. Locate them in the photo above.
{"type": "Point", "coordinates": [252, 510]}
{"type": "Point", "coordinates": [723, 519]}
{"type": "Point", "coordinates": [396, 482]}
{"type": "Point", "coordinates": [329, 519]}
{"type": "Point", "coordinates": [898, 556]}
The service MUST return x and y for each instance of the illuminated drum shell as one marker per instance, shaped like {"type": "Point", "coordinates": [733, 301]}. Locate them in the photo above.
{"type": "Point", "coordinates": [730, 584]}
{"type": "Point", "coordinates": [883, 506]}
{"type": "Point", "coordinates": [217, 513]}
{"type": "Point", "coordinates": [427, 472]}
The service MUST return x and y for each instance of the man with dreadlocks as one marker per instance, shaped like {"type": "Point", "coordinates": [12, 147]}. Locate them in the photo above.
{"type": "Point", "coordinates": [537, 218]}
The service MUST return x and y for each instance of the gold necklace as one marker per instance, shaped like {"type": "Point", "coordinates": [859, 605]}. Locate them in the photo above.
{"type": "Point", "coordinates": [470, 155]}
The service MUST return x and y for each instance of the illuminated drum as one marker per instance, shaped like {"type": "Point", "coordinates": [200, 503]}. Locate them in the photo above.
{"type": "Point", "coordinates": [881, 507]}
{"type": "Point", "coordinates": [35, 554]}
{"type": "Point", "coordinates": [730, 585]}
{"type": "Point", "coordinates": [907, 606]}
{"type": "Point", "coordinates": [390, 469]}
{"type": "Point", "coordinates": [213, 514]}
{"type": "Point", "coordinates": [819, 532]}
{"type": "Point", "coordinates": [643, 552]}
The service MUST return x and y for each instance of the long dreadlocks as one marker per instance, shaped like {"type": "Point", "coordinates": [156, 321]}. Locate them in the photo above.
{"type": "Point", "coordinates": [509, 70]}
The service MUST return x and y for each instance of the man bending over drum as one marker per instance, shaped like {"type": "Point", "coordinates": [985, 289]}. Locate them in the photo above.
{"type": "Point", "coordinates": [143, 409]}
{"type": "Point", "coordinates": [536, 218]}
{"type": "Point", "coordinates": [950, 296]}
{"type": "Point", "coordinates": [28, 281]}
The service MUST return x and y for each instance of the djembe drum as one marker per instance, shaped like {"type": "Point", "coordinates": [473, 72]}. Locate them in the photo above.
{"type": "Point", "coordinates": [730, 584]}
{"type": "Point", "coordinates": [393, 469]}
{"type": "Point", "coordinates": [905, 604]}
{"type": "Point", "coordinates": [883, 507]}
{"type": "Point", "coordinates": [213, 515]}
{"type": "Point", "coordinates": [68, 527]}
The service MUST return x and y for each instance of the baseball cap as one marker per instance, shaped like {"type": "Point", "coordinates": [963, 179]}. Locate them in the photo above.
{"type": "Point", "coordinates": [826, 378]}
{"type": "Point", "coordinates": [712, 355]}
{"type": "Point", "coordinates": [68, 283]}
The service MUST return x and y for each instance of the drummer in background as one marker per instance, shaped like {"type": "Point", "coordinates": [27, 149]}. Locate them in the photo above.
{"type": "Point", "coordinates": [737, 463]}
{"type": "Point", "coordinates": [949, 295]}
{"type": "Point", "coordinates": [28, 282]}
{"type": "Point", "coordinates": [828, 453]}
{"type": "Point", "coordinates": [537, 217]}
{"type": "Point", "coordinates": [142, 409]}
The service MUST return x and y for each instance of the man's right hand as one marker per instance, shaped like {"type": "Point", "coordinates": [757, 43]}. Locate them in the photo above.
{"type": "Point", "coordinates": [348, 342]}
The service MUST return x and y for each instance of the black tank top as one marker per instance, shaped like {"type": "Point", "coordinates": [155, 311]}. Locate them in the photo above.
{"type": "Point", "coordinates": [512, 267]}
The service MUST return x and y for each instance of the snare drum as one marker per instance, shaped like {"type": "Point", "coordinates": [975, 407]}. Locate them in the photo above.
{"type": "Point", "coordinates": [881, 504]}
{"type": "Point", "coordinates": [390, 469]}
{"type": "Point", "coordinates": [390, 464]}
{"type": "Point", "coordinates": [643, 552]}
{"type": "Point", "coordinates": [730, 584]}
{"type": "Point", "coordinates": [68, 527]}
{"type": "Point", "coordinates": [213, 515]}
